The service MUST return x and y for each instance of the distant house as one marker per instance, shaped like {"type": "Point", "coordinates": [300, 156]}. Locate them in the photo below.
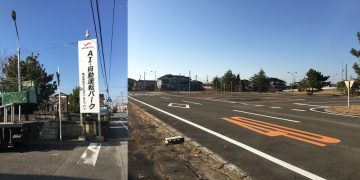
{"type": "Point", "coordinates": [208, 87]}
{"type": "Point", "coordinates": [246, 85]}
{"type": "Point", "coordinates": [147, 85]}
{"type": "Point", "coordinates": [276, 84]}
{"type": "Point", "coordinates": [171, 82]}
{"type": "Point", "coordinates": [53, 103]}
{"type": "Point", "coordinates": [196, 85]}
{"type": "Point", "coordinates": [131, 84]}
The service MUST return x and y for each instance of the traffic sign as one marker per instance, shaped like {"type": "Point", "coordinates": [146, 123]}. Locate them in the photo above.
{"type": "Point", "coordinates": [109, 100]}
{"type": "Point", "coordinates": [349, 83]}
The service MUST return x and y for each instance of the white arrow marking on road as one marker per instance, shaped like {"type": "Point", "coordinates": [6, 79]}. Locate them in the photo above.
{"type": "Point", "coordinates": [284, 119]}
{"type": "Point", "coordinates": [300, 110]}
{"type": "Point", "coordinates": [192, 102]}
{"type": "Point", "coordinates": [90, 155]}
{"type": "Point", "coordinates": [179, 105]}
{"type": "Point", "coordinates": [244, 146]}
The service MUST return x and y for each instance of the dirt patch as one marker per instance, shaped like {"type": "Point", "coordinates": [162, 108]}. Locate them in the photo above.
{"type": "Point", "coordinates": [352, 110]}
{"type": "Point", "coordinates": [188, 160]}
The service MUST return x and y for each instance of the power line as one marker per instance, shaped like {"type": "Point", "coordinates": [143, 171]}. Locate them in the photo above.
{"type": "Point", "coordinates": [112, 35]}
{"type": "Point", "coordinates": [102, 47]}
{"type": "Point", "coordinates": [96, 33]}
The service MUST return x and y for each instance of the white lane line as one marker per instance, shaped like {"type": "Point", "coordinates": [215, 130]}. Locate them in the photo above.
{"type": "Point", "coordinates": [232, 102]}
{"type": "Point", "coordinates": [192, 102]}
{"type": "Point", "coordinates": [275, 107]}
{"type": "Point", "coordinates": [246, 104]}
{"type": "Point", "coordinates": [258, 105]}
{"type": "Point", "coordinates": [244, 146]}
{"type": "Point", "coordinates": [273, 117]}
{"type": "Point", "coordinates": [300, 110]}
{"type": "Point", "coordinates": [90, 155]}
{"type": "Point", "coordinates": [337, 114]}
{"type": "Point", "coordinates": [165, 97]}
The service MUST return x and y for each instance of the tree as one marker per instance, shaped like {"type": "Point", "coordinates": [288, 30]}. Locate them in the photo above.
{"type": "Point", "coordinates": [260, 81]}
{"type": "Point", "coordinates": [74, 101]}
{"type": "Point", "coordinates": [229, 79]}
{"type": "Point", "coordinates": [216, 83]}
{"type": "Point", "coordinates": [356, 53]}
{"type": "Point", "coordinates": [315, 79]}
{"type": "Point", "coordinates": [31, 70]}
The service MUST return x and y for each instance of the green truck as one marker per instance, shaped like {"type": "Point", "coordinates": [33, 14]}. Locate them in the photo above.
{"type": "Point", "coordinates": [11, 131]}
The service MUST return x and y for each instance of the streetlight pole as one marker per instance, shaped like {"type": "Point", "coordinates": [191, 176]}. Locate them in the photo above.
{"type": "Point", "coordinates": [155, 79]}
{"type": "Point", "coordinates": [13, 15]}
{"type": "Point", "coordinates": [293, 78]}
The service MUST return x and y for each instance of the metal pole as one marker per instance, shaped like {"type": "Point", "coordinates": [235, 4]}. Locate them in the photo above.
{"type": "Point", "coordinates": [189, 83]}
{"type": "Point", "coordinates": [99, 124]}
{"type": "Point", "coordinates": [82, 124]}
{"type": "Point", "coordinates": [348, 93]}
{"type": "Point", "coordinates": [18, 62]}
{"type": "Point", "coordinates": [346, 72]}
{"type": "Point", "coordinates": [59, 104]}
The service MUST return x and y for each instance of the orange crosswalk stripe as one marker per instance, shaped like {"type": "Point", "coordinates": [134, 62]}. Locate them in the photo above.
{"type": "Point", "coordinates": [274, 130]}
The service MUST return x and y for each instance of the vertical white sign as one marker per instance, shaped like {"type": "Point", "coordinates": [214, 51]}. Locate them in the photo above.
{"type": "Point", "coordinates": [88, 76]}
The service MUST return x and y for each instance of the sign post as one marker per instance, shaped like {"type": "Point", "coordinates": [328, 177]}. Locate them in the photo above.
{"type": "Point", "coordinates": [348, 85]}
{"type": "Point", "coordinates": [58, 82]}
{"type": "Point", "coordinates": [88, 79]}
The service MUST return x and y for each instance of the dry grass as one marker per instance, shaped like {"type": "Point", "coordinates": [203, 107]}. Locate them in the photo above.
{"type": "Point", "coordinates": [353, 110]}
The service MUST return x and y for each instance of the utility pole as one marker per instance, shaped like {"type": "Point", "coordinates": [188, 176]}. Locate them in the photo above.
{"type": "Point", "coordinates": [342, 70]}
{"type": "Point", "coordinates": [122, 102]}
{"type": "Point", "coordinates": [58, 78]}
{"type": "Point", "coordinates": [189, 83]}
{"type": "Point", "coordinates": [144, 81]}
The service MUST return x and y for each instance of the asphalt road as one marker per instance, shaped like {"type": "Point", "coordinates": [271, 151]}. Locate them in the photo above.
{"type": "Point", "coordinates": [280, 136]}
{"type": "Point", "coordinates": [70, 159]}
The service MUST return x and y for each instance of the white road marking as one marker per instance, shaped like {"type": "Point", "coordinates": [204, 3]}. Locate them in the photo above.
{"type": "Point", "coordinates": [179, 105]}
{"type": "Point", "coordinates": [273, 117]}
{"type": "Point", "coordinates": [192, 102]}
{"type": "Point", "coordinates": [165, 97]}
{"type": "Point", "coordinates": [300, 110]}
{"type": "Point", "coordinates": [245, 104]}
{"type": "Point", "coordinates": [90, 155]}
{"type": "Point", "coordinates": [244, 146]}
{"type": "Point", "coordinates": [258, 105]}
{"type": "Point", "coordinates": [303, 104]}
{"type": "Point", "coordinates": [276, 107]}
{"type": "Point", "coordinates": [232, 102]}
{"type": "Point", "coordinates": [337, 114]}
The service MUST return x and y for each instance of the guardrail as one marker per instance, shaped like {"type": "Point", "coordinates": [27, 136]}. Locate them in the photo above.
{"type": "Point", "coordinates": [12, 112]}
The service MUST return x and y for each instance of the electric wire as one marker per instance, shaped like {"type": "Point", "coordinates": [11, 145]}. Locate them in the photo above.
{"type": "Point", "coordinates": [101, 44]}
{"type": "Point", "coordinates": [111, 43]}
{"type": "Point", "coordinates": [96, 35]}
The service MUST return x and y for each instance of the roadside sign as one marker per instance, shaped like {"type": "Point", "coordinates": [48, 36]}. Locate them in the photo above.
{"type": "Point", "coordinates": [349, 83]}
{"type": "Point", "coordinates": [109, 100]}
{"type": "Point", "coordinates": [88, 76]}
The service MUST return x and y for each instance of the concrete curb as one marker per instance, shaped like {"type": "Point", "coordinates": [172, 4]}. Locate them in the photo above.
{"type": "Point", "coordinates": [197, 149]}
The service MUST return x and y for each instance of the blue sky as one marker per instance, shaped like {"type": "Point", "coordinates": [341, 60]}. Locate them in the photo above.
{"type": "Point", "coordinates": [43, 24]}
{"type": "Point", "coordinates": [209, 37]}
